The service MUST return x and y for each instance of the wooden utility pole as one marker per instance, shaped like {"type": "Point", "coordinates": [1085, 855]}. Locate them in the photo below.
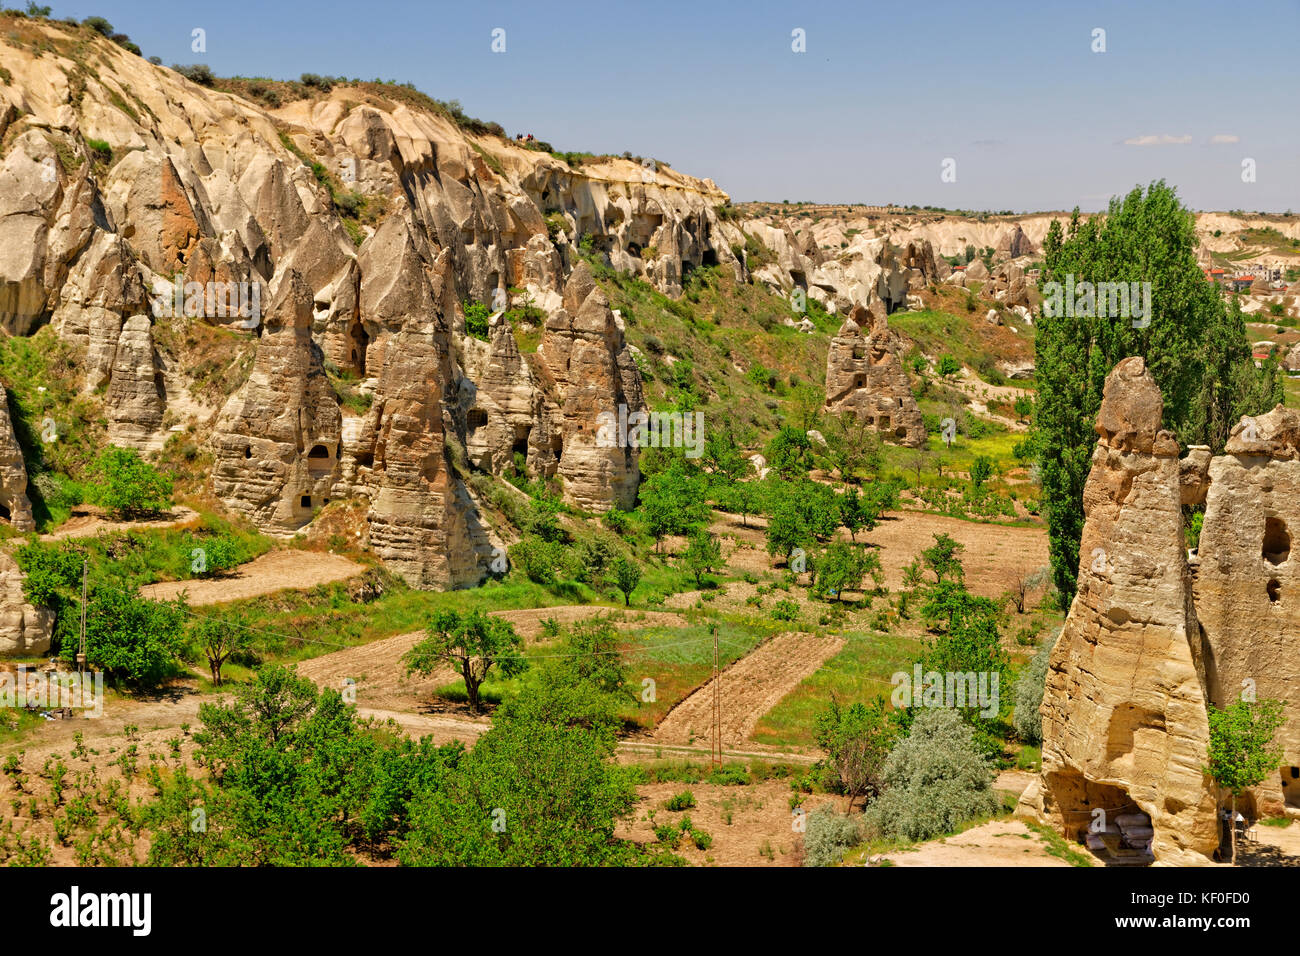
{"type": "Point", "coordinates": [81, 646]}
{"type": "Point", "coordinates": [715, 751]}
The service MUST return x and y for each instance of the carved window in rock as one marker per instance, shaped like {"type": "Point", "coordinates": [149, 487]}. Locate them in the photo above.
{"type": "Point", "coordinates": [1277, 541]}
{"type": "Point", "coordinates": [475, 418]}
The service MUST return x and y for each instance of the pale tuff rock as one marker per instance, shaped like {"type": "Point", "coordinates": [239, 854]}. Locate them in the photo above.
{"type": "Point", "coordinates": [1248, 584]}
{"type": "Point", "coordinates": [1292, 361]}
{"type": "Point", "coordinates": [865, 375]}
{"type": "Point", "coordinates": [136, 396]}
{"type": "Point", "coordinates": [1014, 244]}
{"type": "Point", "coordinates": [423, 524]}
{"type": "Point", "coordinates": [868, 271]}
{"type": "Point", "coordinates": [594, 374]}
{"type": "Point", "coordinates": [976, 271]}
{"type": "Point", "coordinates": [13, 475]}
{"type": "Point", "coordinates": [506, 411]}
{"type": "Point", "coordinates": [1124, 710]}
{"type": "Point", "coordinates": [1194, 475]}
{"type": "Point", "coordinates": [1009, 286]}
{"type": "Point", "coordinates": [209, 191]}
{"type": "Point", "coordinates": [29, 200]}
{"type": "Point", "coordinates": [277, 438]}
{"type": "Point", "coordinates": [24, 630]}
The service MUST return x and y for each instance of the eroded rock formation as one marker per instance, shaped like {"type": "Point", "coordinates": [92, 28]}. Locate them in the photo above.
{"type": "Point", "coordinates": [1248, 584]}
{"type": "Point", "coordinates": [15, 507]}
{"type": "Point", "coordinates": [277, 438]}
{"type": "Point", "coordinates": [865, 375]}
{"type": "Point", "coordinates": [1124, 712]}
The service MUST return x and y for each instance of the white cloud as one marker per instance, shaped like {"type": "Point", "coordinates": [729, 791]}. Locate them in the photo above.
{"type": "Point", "coordinates": [1164, 139]}
{"type": "Point", "coordinates": [1221, 138]}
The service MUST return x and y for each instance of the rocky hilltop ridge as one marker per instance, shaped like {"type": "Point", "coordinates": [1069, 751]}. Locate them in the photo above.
{"type": "Point", "coordinates": [345, 233]}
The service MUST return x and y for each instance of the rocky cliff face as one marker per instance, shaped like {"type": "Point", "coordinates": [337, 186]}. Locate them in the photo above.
{"type": "Point", "coordinates": [14, 504]}
{"type": "Point", "coordinates": [344, 232]}
{"type": "Point", "coordinates": [208, 210]}
{"type": "Point", "coordinates": [865, 376]}
{"type": "Point", "coordinates": [1248, 584]}
{"type": "Point", "coordinates": [1124, 712]}
{"type": "Point", "coordinates": [1151, 640]}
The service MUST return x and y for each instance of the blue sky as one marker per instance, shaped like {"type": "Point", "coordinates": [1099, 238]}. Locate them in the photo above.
{"type": "Point", "coordinates": [884, 93]}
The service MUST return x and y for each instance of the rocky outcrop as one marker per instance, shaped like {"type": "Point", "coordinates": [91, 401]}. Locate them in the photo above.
{"type": "Point", "coordinates": [15, 507]}
{"type": "Point", "coordinates": [865, 375]}
{"type": "Point", "coordinates": [1124, 712]}
{"type": "Point", "coordinates": [594, 374]}
{"type": "Point", "coordinates": [136, 397]}
{"type": "Point", "coordinates": [1014, 244]}
{"type": "Point", "coordinates": [506, 411]}
{"type": "Point", "coordinates": [423, 524]}
{"type": "Point", "coordinates": [24, 630]}
{"type": "Point", "coordinates": [1248, 584]}
{"type": "Point", "coordinates": [277, 439]}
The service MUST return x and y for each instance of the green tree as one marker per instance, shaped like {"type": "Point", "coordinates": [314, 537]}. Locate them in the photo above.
{"type": "Point", "coordinates": [934, 780]}
{"type": "Point", "coordinates": [1030, 686]}
{"type": "Point", "coordinates": [788, 452]}
{"type": "Point", "coordinates": [948, 367]}
{"type": "Point", "coordinates": [129, 487]}
{"type": "Point", "coordinates": [853, 446]}
{"type": "Point", "coordinates": [857, 739]}
{"type": "Point", "coordinates": [1242, 753]}
{"type": "Point", "coordinates": [1193, 344]}
{"type": "Point", "coordinates": [723, 457]}
{"type": "Point", "coordinates": [476, 319]}
{"type": "Point", "coordinates": [842, 567]}
{"type": "Point", "coordinates": [472, 642]}
{"type": "Point", "coordinates": [674, 501]}
{"type": "Point", "coordinates": [703, 554]}
{"type": "Point", "coordinates": [740, 498]}
{"type": "Point", "coordinates": [627, 575]}
{"type": "Point", "coordinates": [217, 637]}
{"type": "Point", "coordinates": [130, 638]}
{"type": "Point", "coordinates": [536, 790]}
{"type": "Point", "coordinates": [942, 558]}
{"type": "Point", "coordinates": [981, 470]}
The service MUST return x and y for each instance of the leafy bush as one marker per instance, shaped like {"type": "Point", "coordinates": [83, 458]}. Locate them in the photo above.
{"type": "Point", "coordinates": [476, 319]}
{"type": "Point", "coordinates": [199, 73]}
{"type": "Point", "coordinates": [785, 610]}
{"type": "Point", "coordinates": [539, 560]}
{"type": "Point", "coordinates": [935, 780]}
{"type": "Point", "coordinates": [130, 638]}
{"type": "Point", "coordinates": [680, 801]}
{"type": "Point", "coordinates": [828, 834]}
{"type": "Point", "coordinates": [1029, 694]}
{"type": "Point", "coordinates": [129, 487]}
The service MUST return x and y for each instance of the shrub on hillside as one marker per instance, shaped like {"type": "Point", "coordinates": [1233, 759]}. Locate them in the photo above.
{"type": "Point", "coordinates": [935, 780]}
{"type": "Point", "coordinates": [1029, 694]}
{"type": "Point", "coordinates": [130, 638]}
{"type": "Point", "coordinates": [828, 834]}
{"type": "Point", "coordinates": [127, 486]}
{"type": "Point", "coordinates": [199, 73]}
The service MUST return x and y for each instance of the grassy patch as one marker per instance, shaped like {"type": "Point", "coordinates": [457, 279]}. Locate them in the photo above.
{"type": "Point", "coordinates": [860, 671]}
{"type": "Point", "coordinates": [1057, 847]}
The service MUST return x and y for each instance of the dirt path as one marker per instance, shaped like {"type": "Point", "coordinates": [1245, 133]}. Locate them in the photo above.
{"type": "Point", "coordinates": [273, 571]}
{"type": "Point", "coordinates": [381, 678]}
{"type": "Point", "coordinates": [88, 521]}
{"type": "Point", "coordinates": [750, 688]}
{"type": "Point", "coordinates": [1000, 843]}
